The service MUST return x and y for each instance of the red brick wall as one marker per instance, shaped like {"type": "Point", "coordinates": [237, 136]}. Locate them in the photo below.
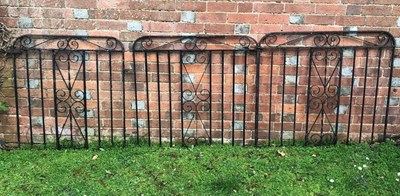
{"type": "Point", "coordinates": [128, 20]}
{"type": "Point", "coordinates": [103, 17]}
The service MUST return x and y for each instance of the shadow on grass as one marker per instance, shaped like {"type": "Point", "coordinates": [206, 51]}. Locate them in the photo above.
{"type": "Point", "coordinates": [225, 184]}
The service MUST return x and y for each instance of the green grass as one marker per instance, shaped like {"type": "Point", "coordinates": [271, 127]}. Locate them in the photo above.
{"type": "Point", "coordinates": [203, 170]}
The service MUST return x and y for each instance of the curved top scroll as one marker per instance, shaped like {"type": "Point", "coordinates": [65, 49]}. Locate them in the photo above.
{"type": "Point", "coordinates": [369, 39]}
{"type": "Point", "coordinates": [163, 43]}
{"type": "Point", "coordinates": [63, 42]}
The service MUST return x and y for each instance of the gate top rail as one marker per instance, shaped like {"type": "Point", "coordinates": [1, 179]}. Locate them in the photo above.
{"type": "Point", "coordinates": [65, 42]}
{"type": "Point", "coordinates": [328, 39]}
{"type": "Point", "coordinates": [197, 43]}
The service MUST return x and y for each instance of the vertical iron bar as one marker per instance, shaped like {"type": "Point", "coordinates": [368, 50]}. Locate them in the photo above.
{"type": "Point", "coordinates": [111, 99]}
{"type": "Point", "coordinates": [295, 96]}
{"type": "Point", "coordinates": [364, 90]}
{"type": "Point", "coordinates": [16, 99]}
{"type": "Point", "coordinates": [376, 94]}
{"type": "Point", "coordinates": [29, 96]}
{"type": "Point", "coordinates": [257, 104]}
{"type": "Point", "coordinates": [123, 97]}
{"type": "Point", "coordinates": [244, 98]}
{"type": "Point", "coordinates": [41, 94]}
{"type": "Point", "coordinates": [55, 100]}
{"type": "Point", "coordinates": [222, 95]}
{"type": "Point", "coordinates": [86, 145]}
{"type": "Point", "coordinates": [70, 107]}
{"type": "Point", "coordinates": [338, 94]}
{"type": "Point", "coordinates": [308, 94]}
{"type": "Point", "coordinates": [98, 100]}
{"type": "Point", "coordinates": [159, 97]}
{"type": "Point", "coordinates": [233, 97]}
{"type": "Point", "coordinates": [283, 93]}
{"type": "Point", "coordinates": [181, 98]}
{"type": "Point", "coordinates": [351, 96]}
{"type": "Point", "coordinates": [170, 99]}
{"type": "Point", "coordinates": [270, 98]}
{"type": "Point", "coordinates": [147, 97]}
{"type": "Point", "coordinates": [136, 97]}
{"type": "Point", "coordinates": [389, 91]}
{"type": "Point", "coordinates": [210, 59]}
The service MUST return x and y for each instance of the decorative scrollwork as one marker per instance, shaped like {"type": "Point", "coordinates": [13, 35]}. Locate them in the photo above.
{"type": "Point", "coordinates": [68, 101]}
{"type": "Point", "coordinates": [195, 44]}
{"type": "Point", "coordinates": [328, 39]}
{"type": "Point", "coordinates": [321, 40]}
{"type": "Point", "coordinates": [323, 96]}
{"type": "Point", "coordinates": [72, 57]}
{"type": "Point", "coordinates": [244, 42]}
{"type": "Point", "coordinates": [195, 57]}
{"type": "Point", "coordinates": [146, 42]}
{"type": "Point", "coordinates": [67, 44]}
{"type": "Point", "coordinates": [383, 39]}
{"type": "Point", "coordinates": [50, 42]}
{"type": "Point", "coordinates": [321, 139]}
{"type": "Point", "coordinates": [270, 39]}
{"type": "Point", "coordinates": [111, 43]}
{"type": "Point", "coordinates": [26, 42]}
{"type": "Point", "coordinates": [196, 140]}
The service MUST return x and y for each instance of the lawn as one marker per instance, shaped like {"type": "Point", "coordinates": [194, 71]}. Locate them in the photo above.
{"type": "Point", "coordinates": [203, 170]}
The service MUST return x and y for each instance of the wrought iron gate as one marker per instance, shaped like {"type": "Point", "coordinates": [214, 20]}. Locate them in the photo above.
{"type": "Point", "coordinates": [309, 87]}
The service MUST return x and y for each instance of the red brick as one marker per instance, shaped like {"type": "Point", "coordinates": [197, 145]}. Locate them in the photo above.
{"type": "Point", "coordinates": [376, 10]}
{"type": "Point", "coordinates": [242, 18]}
{"type": "Point", "coordinates": [53, 13]}
{"type": "Point", "coordinates": [80, 24]}
{"type": "Point", "coordinates": [386, 2]}
{"type": "Point", "coordinates": [396, 11]}
{"type": "Point", "coordinates": [48, 23]}
{"type": "Point", "coordinates": [300, 8]}
{"type": "Point", "coordinates": [120, 4]}
{"type": "Point", "coordinates": [245, 7]}
{"type": "Point", "coordinates": [49, 3]}
{"type": "Point", "coordinates": [268, 7]}
{"type": "Point", "coordinates": [192, 6]}
{"type": "Point", "coordinates": [211, 17]}
{"type": "Point", "coordinates": [326, 1]}
{"type": "Point", "coordinates": [189, 28]}
{"type": "Point", "coordinates": [264, 29]}
{"type": "Point", "coordinates": [104, 14]}
{"type": "Point", "coordinates": [350, 20]}
{"type": "Point", "coordinates": [327, 28]}
{"type": "Point", "coordinates": [149, 15]}
{"type": "Point", "coordinates": [219, 28]}
{"type": "Point", "coordinates": [111, 25]}
{"type": "Point", "coordinates": [380, 21]}
{"type": "Point", "coordinates": [221, 6]}
{"type": "Point", "coordinates": [152, 5]}
{"type": "Point", "coordinates": [81, 4]}
{"type": "Point", "coordinates": [3, 11]}
{"type": "Point", "coordinates": [310, 19]}
{"type": "Point", "coordinates": [331, 9]}
{"type": "Point", "coordinates": [353, 10]}
{"type": "Point", "coordinates": [273, 19]}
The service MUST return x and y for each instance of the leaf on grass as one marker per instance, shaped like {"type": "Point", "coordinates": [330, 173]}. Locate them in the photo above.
{"type": "Point", "coordinates": [101, 149]}
{"type": "Point", "coordinates": [109, 172]}
{"type": "Point", "coordinates": [95, 157]}
{"type": "Point", "coordinates": [282, 154]}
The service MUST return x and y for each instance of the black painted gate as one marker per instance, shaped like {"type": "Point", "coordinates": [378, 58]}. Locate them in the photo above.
{"type": "Point", "coordinates": [306, 87]}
